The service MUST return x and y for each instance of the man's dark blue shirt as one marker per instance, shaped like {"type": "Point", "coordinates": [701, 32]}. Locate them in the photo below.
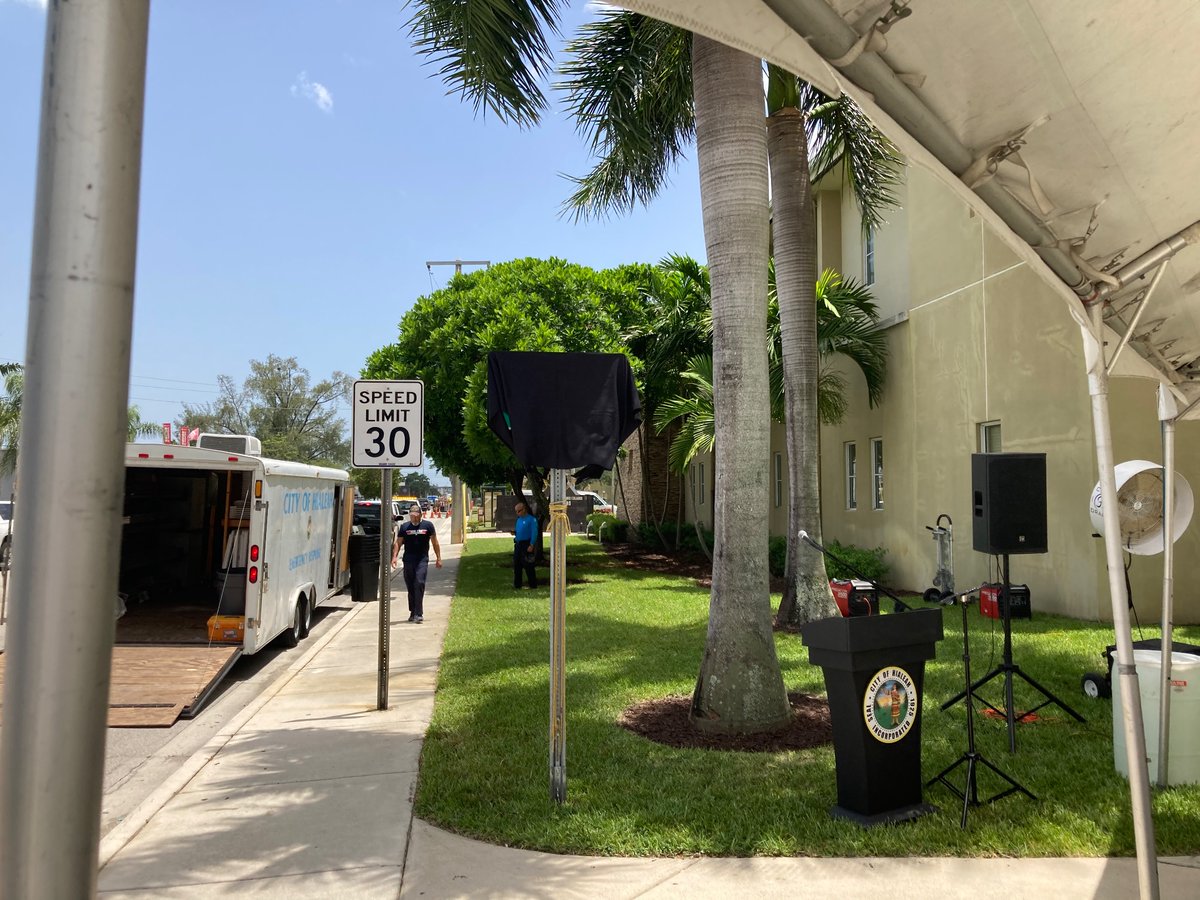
{"type": "Point", "coordinates": [416, 539]}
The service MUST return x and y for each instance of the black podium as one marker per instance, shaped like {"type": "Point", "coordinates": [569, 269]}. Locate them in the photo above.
{"type": "Point", "coordinates": [874, 675]}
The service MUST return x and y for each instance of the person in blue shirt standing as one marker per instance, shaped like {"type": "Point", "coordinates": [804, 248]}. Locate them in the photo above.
{"type": "Point", "coordinates": [524, 546]}
{"type": "Point", "coordinates": [416, 535]}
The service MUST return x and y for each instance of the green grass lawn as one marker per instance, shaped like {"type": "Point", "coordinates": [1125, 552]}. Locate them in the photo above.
{"type": "Point", "coordinates": [633, 635]}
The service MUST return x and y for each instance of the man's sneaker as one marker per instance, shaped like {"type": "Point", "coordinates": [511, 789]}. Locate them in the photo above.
{"type": "Point", "coordinates": [418, 619]}
{"type": "Point", "coordinates": [412, 618]}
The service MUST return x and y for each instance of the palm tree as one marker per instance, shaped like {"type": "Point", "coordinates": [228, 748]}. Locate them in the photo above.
{"type": "Point", "coordinates": [10, 415]}
{"type": "Point", "coordinates": [628, 84]}
{"type": "Point", "coordinates": [137, 427]}
{"type": "Point", "coordinates": [847, 321]}
{"type": "Point", "coordinates": [493, 51]}
{"type": "Point", "coordinates": [798, 114]}
{"type": "Point", "coordinates": [676, 325]}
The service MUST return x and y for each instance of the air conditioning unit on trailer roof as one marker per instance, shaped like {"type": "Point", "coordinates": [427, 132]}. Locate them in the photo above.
{"type": "Point", "coordinates": [245, 444]}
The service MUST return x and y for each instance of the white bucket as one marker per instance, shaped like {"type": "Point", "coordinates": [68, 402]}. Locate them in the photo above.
{"type": "Point", "coordinates": [1183, 763]}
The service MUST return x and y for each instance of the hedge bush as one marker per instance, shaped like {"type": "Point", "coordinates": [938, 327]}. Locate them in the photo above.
{"type": "Point", "coordinates": [616, 529]}
{"type": "Point", "coordinates": [869, 562]}
{"type": "Point", "coordinates": [646, 534]}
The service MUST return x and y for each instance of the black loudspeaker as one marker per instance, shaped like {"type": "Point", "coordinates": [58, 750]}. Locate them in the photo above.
{"type": "Point", "coordinates": [1008, 502]}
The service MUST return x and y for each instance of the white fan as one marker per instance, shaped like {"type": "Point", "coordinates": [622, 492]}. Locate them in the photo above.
{"type": "Point", "coordinates": [1140, 506]}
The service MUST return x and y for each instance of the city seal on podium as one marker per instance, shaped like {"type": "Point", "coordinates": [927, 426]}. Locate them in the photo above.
{"type": "Point", "coordinates": [890, 704]}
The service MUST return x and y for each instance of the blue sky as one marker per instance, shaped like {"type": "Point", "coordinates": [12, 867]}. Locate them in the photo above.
{"type": "Point", "coordinates": [300, 165]}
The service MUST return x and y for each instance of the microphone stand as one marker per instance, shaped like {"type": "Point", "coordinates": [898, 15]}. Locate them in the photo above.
{"type": "Point", "coordinates": [899, 606]}
{"type": "Point", "coordinates": [972, 758]}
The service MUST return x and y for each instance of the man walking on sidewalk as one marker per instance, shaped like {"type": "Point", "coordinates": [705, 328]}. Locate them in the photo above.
{"type": "Point", "coordinates": [415, 537]}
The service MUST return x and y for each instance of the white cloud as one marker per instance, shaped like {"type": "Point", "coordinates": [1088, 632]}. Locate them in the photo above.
{"type": "Point", "coordinates": [40, 4]}
{"type": "Point", "coordinates": [314, 91]}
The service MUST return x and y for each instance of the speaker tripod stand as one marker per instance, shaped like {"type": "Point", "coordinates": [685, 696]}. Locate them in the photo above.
{"type": "Point", "coordinates": [972, 759]}
{"type": "Point", "coordinates": [1008, 669]}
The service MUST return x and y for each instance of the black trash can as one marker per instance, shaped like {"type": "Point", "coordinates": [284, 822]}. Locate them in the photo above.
{"type": "Point", "coordinates": [364, 567]}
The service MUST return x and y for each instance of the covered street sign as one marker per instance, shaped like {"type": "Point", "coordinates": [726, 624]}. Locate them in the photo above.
{"type": "Point", "coordinates": [388, 423]}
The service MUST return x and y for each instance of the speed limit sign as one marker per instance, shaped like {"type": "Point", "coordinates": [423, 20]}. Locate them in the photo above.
{"type": "Point", "coordinates": [388, 423]}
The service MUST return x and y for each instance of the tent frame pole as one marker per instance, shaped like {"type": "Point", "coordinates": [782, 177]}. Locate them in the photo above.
{"type": "Point", "coordinates": [1127, 679]}
{"type": "Point", "coordinates": [1166, 411]}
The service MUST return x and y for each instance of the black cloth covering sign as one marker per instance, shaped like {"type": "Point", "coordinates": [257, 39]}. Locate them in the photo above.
{"type": "Point", "coordinates": [562, 410]}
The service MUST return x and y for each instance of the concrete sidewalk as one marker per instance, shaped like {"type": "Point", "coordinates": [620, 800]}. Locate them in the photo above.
{"type": "Point", "coordinates": [308, 793]}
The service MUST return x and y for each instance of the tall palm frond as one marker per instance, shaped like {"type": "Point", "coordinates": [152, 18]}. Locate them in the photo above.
{"type": "Point", "coordinates": [694, 410]}
{"type": "Point", "coordinates": [847, 318]}
{"type": "Point", "coordinates": [677, 325]}
{"type": "Point", "coordinates": [839, 132]}
{"type": "Point", "coordinates": [494, 53]}
{"type": "Point", "coordinates": [847, 324]}
{"type": "Point", "coordinates": [139, 427]}
{"type": "Point", "coordinates": [629, 86]}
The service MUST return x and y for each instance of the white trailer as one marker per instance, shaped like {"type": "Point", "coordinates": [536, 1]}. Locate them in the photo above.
{"type": "Point", "coordinates": [222, 552]}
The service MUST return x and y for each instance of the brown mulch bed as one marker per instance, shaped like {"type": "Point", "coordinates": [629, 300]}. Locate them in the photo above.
{"type": "Point", "coordinates": [666, 721]}
{"type": "Point", "coordinates": [684, 562]}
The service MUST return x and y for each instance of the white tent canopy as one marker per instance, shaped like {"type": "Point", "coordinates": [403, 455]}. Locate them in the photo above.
{"type": "Point", "coordinates": [1074, 124]}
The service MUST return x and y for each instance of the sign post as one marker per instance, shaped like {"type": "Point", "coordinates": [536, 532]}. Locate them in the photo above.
{"type": "Point", "coordinates": [387, 431]}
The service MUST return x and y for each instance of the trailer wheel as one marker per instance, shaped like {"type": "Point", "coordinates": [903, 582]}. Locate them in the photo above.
{"type": "Point", "coordinates": [292, 636]}
{"type": "Point", "coordinates": [307, 605]}
{"type": "Point", "coordinates": [1095, 686]}
{"type": "Point", "coordinates": [932, 595]}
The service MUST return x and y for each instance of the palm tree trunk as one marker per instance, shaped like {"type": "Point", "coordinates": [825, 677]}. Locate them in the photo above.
{"type": "Point", "coordinates": [620, 486]}
{"type": "Point", "coordinates": [740, 686]}
{"type": "Point", "coordinates": [696, 524]}
{"type": "Point", "coordinates": [806, 594]}
{"type": "Point", "coordinates": [647, 490]}
{"type": "Point", "coordinates": [679, 514]}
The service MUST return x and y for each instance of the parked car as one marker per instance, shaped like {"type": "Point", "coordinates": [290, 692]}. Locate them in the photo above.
{"type": "Point", "coordinates": [369, 513]}
{"type": "Point", "coordinates": [600, 504]}
{"type": "Point", "coordinates": [6, 527]}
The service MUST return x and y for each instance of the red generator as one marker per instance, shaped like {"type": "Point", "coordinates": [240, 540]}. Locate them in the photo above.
{"type": "Point", "coordinates": [854, 597]}
{"type": "Point", "coordinates": [1018, 595]}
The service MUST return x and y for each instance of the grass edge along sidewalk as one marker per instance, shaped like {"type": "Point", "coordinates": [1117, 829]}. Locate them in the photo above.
{"type": "Point", "coordinates": [633, 635]}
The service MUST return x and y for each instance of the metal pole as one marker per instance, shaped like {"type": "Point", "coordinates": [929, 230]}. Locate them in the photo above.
{"type": "Point", "coordinates": [1166, 406]}
{"type": "Point", "coordinates": [458, 515]}
{"type": "Point", "coordinates": [559, 527]}
{"type": "Point", "coordinates": [65, 565]}
{"type": "Point", "coordinates": [1127, 679]}
{"type": "Point", "coordinates": [385, 586]}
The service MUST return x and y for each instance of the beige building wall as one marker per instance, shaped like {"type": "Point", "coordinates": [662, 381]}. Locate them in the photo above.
{"type": "Point", "coordinates": [977, 337]}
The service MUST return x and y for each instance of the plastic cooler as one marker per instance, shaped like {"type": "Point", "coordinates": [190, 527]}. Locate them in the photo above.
{"type": "Point", "coordinates": [1184, 739]}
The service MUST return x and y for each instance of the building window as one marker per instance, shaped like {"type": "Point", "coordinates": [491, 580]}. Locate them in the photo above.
{"type": "Point", "coordinates": [869, 257]}
{"type": "Point", "coordinates": [851, 472]}
{"type": "Point", "coordinates": [778, 480]}
{"type": "Point", "coordinates": [877, 473]}
{"type": "Point", "coordinates": [701, 482]}
{"type": "Point", "coordinates": [989, 437]}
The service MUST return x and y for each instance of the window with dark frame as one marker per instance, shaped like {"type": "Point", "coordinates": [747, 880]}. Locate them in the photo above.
{"type": "Point", "coordinates": [989, 437]}
{"type": "Point", "coordinates": [877, 473]}
{"type": "Point", "coordinates": [869, 257]}
{"type": "Point", "coordinates": [851, 456]}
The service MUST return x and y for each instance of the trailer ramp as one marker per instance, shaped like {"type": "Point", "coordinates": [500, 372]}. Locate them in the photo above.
{"type": "Point", "coordinates": [153, 685]}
